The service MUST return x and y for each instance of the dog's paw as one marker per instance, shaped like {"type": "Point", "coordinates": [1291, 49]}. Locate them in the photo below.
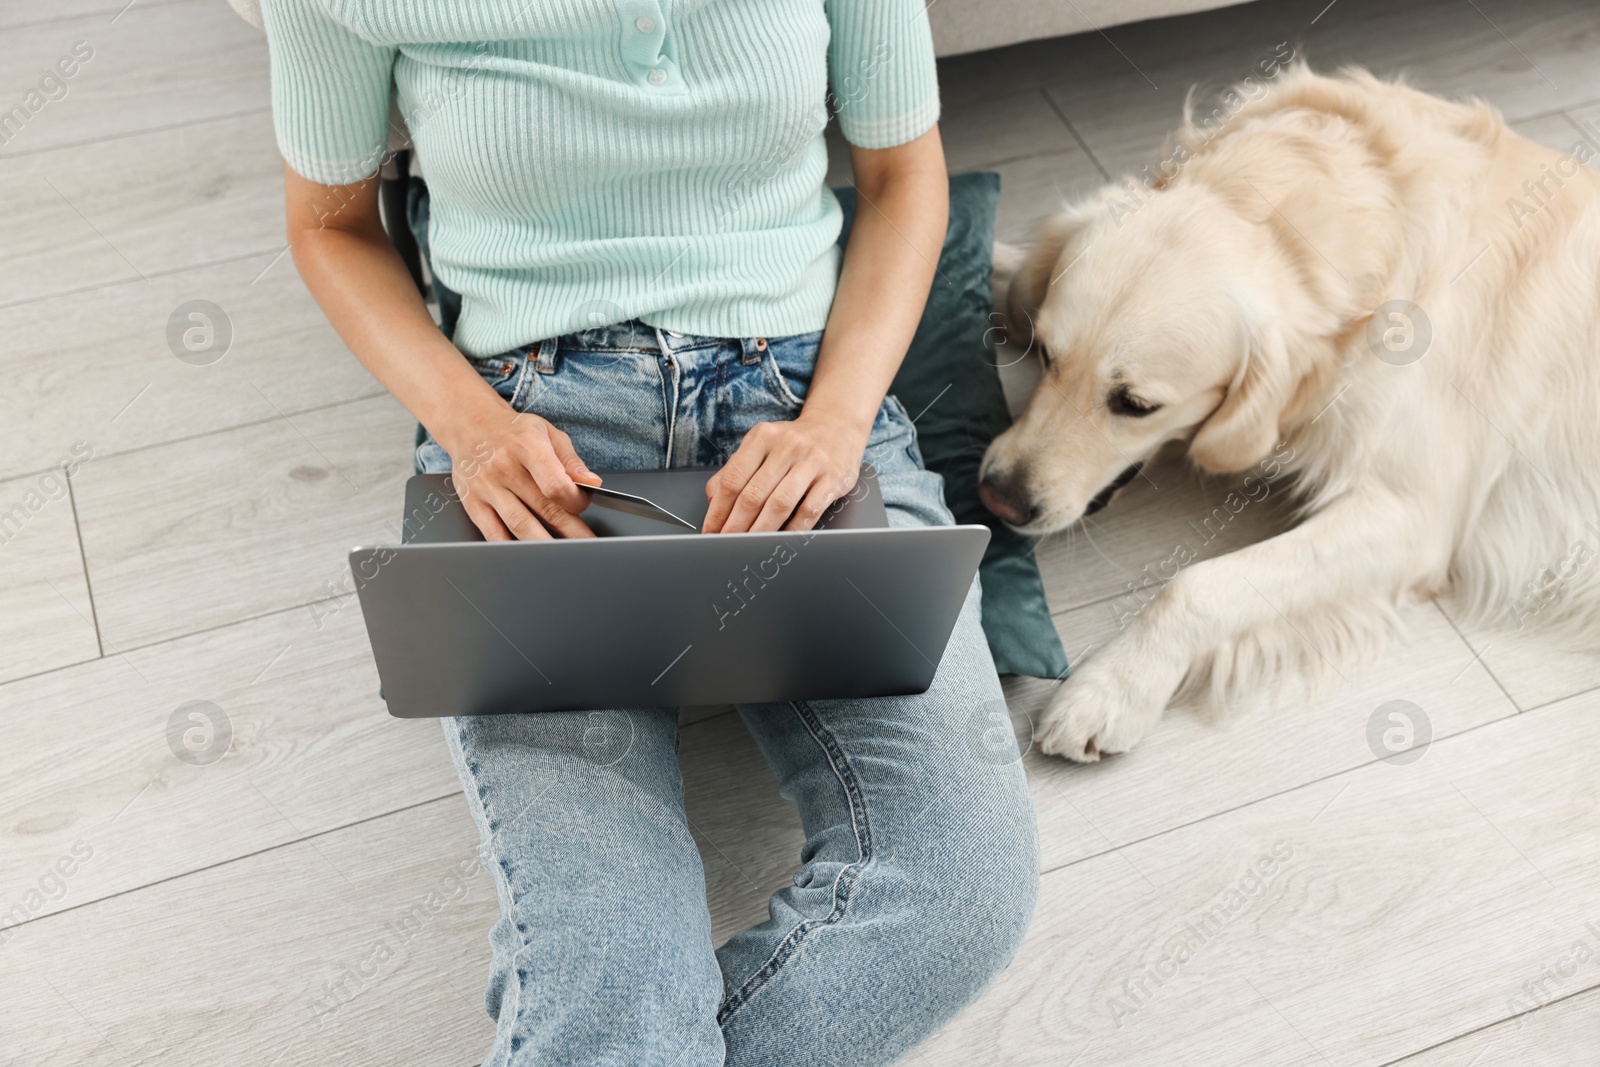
{"type": "Point", "coordinates": [1100, 711]}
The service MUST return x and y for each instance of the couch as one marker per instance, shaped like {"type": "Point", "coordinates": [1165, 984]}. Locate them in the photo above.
{"type": "Point", "coordinates": [961, 26]}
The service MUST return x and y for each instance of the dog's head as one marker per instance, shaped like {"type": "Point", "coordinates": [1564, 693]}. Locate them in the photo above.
{"type": "Point", "coordinates": [1208, 310]}
{"type": "Point", "coordinates": [1156, 322]}
{"type": "Point", "coordinates": [1153, 326]}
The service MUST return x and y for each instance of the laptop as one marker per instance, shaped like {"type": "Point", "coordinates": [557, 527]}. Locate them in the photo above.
{"type": "Point", "coordinates": [652, 613]}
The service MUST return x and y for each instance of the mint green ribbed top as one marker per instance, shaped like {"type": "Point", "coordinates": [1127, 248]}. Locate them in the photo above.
{"type": "Point", "coordinates": [593, 161]}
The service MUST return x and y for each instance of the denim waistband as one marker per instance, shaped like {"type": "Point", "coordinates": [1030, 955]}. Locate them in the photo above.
{"type": "Point", "coordinates": [635, 335]}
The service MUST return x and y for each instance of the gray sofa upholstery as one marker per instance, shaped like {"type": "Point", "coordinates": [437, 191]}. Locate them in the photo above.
{"type": "Point", "coordinates": [972, 25]}
{"type": "Point", "coordinates": [961, 26]}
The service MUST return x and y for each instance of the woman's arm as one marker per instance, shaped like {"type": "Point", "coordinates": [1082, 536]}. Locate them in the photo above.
{"type": "Point", "coordinates": [508, 467]}
{"type": "Point", "coordinates": [800, 467]}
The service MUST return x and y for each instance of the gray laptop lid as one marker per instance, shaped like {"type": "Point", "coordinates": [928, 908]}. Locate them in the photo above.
{"type": "Point", "coordinates": [658, 620]}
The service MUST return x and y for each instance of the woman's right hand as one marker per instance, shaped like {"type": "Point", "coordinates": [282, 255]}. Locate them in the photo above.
{"type": "Point", "coordinates": [517, 475]}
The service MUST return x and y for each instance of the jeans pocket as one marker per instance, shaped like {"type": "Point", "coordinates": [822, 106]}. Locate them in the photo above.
{"type": "Point", "coordinates": [789, 363]}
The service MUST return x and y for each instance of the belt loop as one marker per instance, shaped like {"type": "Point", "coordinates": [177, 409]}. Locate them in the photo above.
{"type": "Point", "coordinates": [750, 349]}
{"type": "Point", "coordinates": [545, 355]}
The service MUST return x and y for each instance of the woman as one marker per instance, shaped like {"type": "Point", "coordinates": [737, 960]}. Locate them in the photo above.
{"type": "Point", "coordinates": [629, 196]}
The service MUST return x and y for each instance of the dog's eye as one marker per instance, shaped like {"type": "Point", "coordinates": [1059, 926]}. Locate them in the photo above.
{"type": "Point", "coordinates": [1122, 402]}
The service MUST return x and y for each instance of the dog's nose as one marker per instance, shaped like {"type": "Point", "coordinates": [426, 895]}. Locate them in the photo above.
{"type": "Point", "coordinates": [1006, 500]}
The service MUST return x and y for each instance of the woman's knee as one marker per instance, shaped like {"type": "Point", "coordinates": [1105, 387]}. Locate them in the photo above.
{"type": "Point", "coordinates": [998, 895]}
{"type": "Point", "coordinates": [975, 888]}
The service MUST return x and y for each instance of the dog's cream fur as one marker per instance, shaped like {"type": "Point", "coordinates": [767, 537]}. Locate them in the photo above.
{"type": "Point", "coordinates": [1238, 295]}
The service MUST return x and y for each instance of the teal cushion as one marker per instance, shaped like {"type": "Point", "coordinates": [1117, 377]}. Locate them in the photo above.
{"type": "Point", "coordinates": [950, 384]}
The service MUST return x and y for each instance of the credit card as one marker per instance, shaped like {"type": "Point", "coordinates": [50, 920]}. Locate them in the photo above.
{"type": "Point", "coordinates": [617, 500]}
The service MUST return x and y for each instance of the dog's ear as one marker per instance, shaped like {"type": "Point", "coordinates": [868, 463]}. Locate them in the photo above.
{"type": "Point", "coordinates": [1031, 279]}
{"type": "Point", "coordinates": [1244, 427]}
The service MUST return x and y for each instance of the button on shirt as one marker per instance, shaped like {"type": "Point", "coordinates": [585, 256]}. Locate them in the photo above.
{"type": "Point", "coordinates": [662, 159]}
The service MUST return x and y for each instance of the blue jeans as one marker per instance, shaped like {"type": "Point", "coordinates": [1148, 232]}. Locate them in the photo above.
{"type": "Point", "coordinates": [918, 875]}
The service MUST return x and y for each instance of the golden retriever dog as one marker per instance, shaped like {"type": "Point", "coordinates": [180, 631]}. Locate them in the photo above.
{"type": "Point", "coordinates": [1395, 296]}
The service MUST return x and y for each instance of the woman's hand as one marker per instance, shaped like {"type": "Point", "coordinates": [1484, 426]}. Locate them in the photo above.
{"type": "Point", "coordinates": [785, 474]}
{"type": "Point", "coordinates": [902, 196]}
{"type": "Point", "coordinates": [517, 475]}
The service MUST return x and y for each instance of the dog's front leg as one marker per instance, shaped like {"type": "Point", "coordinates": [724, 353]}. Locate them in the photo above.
{"type": "Point", "coordinates": [1361, 550]}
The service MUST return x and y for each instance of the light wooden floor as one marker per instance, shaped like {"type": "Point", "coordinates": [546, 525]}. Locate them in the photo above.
{"type": "Point", "coordinates": [199, 557]}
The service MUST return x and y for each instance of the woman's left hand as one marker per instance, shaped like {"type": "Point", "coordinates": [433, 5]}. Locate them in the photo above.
{"type": "Point", "coordinates": [785, 474]}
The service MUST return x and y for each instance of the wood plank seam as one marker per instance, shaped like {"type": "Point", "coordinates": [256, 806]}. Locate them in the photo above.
{"type": "Point", "coordinates": [288, 842]}
{"type": "Point", "coordinates": [1296, 788]}
{"type": "Point", "coordinates": [277, 416]}
{"type": "Point", "coordinates": [1076, 136]}
{"type": "Point", "coordinates": [179, 637]}
{"type": "Point", "coordinates": [83, 562]}
{"type": "Point", "coordinates": [122, 135]}
{"type": "Point", "coordinates": [1488, 1026]}
{"type": "Point", "coordinates": [112, 10]}
{"type": "Point", "coordinates": [1483, 662]}
{"type": "Point", "coordinates": [144, 277]}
